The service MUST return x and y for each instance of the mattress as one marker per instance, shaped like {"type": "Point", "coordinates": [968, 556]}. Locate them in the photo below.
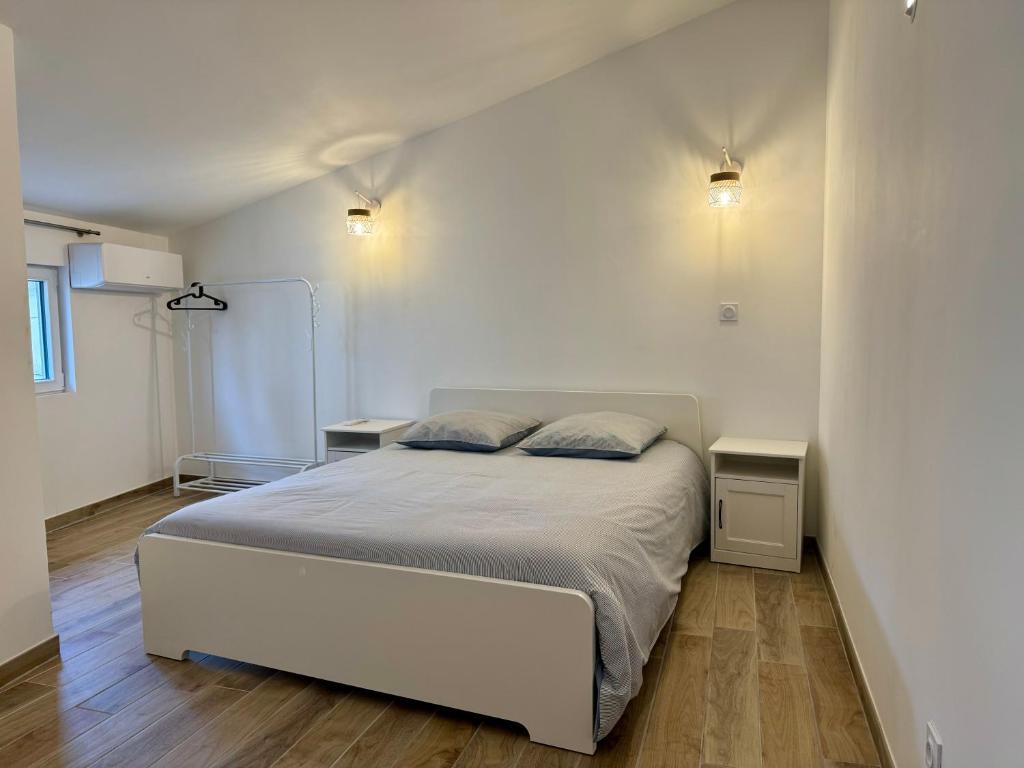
{"type": "Point", "coordinates": [620, 531]}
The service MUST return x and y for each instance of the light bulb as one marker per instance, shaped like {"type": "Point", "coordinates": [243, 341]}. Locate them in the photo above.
{"type": "Point", "coordinates": [360, 222]}
{"type": "Point", "coordinates": [725, 189]}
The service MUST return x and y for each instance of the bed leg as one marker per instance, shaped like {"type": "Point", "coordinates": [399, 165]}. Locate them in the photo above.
{"type": "Point", "coordinates": [166, 653]}
{"type": "Point", "coordinates": [157, 647]}
{"type": "Point", "coordinates": [557, 735]}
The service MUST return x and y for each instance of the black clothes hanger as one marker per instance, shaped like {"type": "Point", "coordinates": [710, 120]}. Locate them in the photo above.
{"type": "Point", "coordinates": [197, 292]}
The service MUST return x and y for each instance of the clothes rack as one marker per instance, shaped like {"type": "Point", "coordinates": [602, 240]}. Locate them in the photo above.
{"type": "Point", "coordinates": [212, 482]}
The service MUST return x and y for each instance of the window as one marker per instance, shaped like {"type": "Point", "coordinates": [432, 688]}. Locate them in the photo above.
{"type": "Point", "coordinates": [44, 320]}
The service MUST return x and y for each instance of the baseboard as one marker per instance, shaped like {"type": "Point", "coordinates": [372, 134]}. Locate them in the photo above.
{"type": "Point", "coordinates": [99, 507]}
{"type": "Point", "coordinates": [28, 660]}
{"type": "Point", "coordinates": [870, 710]}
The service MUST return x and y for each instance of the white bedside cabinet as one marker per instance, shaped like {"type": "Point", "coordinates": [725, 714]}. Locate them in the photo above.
{"type": "Point", "coordinates": [757, 502]}
{"type": "Point", "coordinates": [343, 441]}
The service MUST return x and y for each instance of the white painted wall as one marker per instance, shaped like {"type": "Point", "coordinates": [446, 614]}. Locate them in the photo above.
{"type": "Point", "coordinates": [115, 430]}
{"type": "Point", "coordinates": [563, 239]}
{"type": "Point", "coordinates": [922, 366]}
{"type": "Point", "coordinates": [24, 582]}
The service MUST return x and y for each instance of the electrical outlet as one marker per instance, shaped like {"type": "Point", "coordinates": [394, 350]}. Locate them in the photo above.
{"type": "Point", "coordinates": [728, 312]}
{"type": "Point", "coordinates": [932, 747]}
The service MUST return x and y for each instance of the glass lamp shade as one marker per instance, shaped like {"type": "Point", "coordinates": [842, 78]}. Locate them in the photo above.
{"type": "Point", "coordinates": [725, 189]}
{"type": "Point", "coordinates": [360, 222]}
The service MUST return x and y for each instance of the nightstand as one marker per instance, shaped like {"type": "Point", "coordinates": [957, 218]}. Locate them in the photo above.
{"type": "Point", "coordinates": [343, 441]}
{"type": "Point", "coordinates": [757, 502]}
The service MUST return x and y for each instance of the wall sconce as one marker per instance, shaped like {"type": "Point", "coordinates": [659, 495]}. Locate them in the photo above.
{"type": "Point", "coordinates": [360, 221]}
{"type": "Point", "coordinates": [725, 189]}
{"type": "Point", "coordinates": [911, 10]}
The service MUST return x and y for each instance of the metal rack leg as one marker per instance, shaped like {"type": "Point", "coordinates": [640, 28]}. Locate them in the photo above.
{"type": "Point", "coordinates": [177, 478]}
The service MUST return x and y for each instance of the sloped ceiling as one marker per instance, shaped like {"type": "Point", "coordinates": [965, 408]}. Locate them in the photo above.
{"type": "Point", "coordinates": [156, 115]}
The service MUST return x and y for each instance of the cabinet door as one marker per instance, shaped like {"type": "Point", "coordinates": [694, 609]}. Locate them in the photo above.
{"type": "Point", "coordinates": [755, 517]}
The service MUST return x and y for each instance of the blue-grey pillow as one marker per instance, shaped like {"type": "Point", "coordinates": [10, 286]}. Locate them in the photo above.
{"type": "Point", "coordinates": [600, 435]}
{"type": "Point", "coordinates": [482, 431]}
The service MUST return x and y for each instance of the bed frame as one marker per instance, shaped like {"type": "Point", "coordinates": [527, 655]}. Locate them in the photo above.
{"type": "Point", "coordinates": [512, 650]}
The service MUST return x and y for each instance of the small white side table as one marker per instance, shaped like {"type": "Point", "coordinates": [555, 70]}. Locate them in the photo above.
{"type": "Point", "coordinates": [757, 502]}
{"type": "Point", "coordinates": [343, 441]}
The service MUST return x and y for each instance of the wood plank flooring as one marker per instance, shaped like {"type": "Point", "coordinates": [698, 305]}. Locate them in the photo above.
{"type": "Point", "coordinates": [749, 673]}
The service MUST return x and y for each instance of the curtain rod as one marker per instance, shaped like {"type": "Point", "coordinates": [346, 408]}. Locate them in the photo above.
{"type": "Point", "coordinates": [77, 230]}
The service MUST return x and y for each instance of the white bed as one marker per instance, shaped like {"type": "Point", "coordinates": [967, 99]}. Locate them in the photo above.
{"type": "Point", "coordinates": [507, 648]}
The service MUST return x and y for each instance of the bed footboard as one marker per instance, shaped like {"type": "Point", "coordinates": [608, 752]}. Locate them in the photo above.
{"type": "Point", "coordinates": [517, 651]}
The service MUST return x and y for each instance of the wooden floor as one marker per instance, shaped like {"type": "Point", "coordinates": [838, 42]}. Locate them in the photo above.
{"type": "Point", "coordinates": [750, 672]}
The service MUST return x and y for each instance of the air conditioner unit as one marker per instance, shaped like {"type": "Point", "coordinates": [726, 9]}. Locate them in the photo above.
{"type": "Point", "coordinates": [111, 267]}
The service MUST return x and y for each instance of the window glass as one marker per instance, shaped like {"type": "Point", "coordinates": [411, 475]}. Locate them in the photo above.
{"type": "Point", "coordinates": [42, 363]}
{"type": "Point", "coordinates": [44, 324]}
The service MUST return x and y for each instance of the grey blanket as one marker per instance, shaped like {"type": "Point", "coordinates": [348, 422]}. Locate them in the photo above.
{"type": "Point", "coordinates": [619, 530]}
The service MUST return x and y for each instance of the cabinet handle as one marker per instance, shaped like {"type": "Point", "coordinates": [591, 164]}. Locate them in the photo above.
{"type": "Point", "coordinates": [719, 514]}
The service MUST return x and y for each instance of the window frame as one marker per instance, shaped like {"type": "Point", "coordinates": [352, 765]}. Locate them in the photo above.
{"type": "Point", "coordinates": [50, 277]}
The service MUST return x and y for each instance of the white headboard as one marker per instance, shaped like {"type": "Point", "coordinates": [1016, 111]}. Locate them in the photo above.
{"type": "Point", "coordinates": [679, 412]}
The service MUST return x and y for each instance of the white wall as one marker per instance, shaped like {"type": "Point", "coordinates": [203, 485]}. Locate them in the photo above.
{"type": "Point", "coordinates": [115, 430]}
{"type": "Point", "coordinates": [24, 583]}
{"type": "Point", "coordinates": [563, 239]}
{"type": "Point", "coordinates": [922, 366]}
